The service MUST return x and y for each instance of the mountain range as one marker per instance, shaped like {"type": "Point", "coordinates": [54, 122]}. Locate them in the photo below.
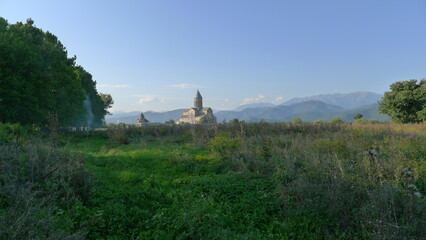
{"type": "Point", "coordinates": [344, 100]}
{"type": "Point", "coordinates": [319, 107]}
{"type": "Point", "coordinates": [152, 116]}
{"type": "Point", "coordinates": [308, 111]}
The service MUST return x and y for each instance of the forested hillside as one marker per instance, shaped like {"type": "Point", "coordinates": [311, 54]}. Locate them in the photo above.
{"type": "Point", "coordinates": [40, 83]}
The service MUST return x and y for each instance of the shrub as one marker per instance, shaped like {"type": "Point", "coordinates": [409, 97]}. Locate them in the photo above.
{"type": "Point", "coordinates": [13, 133]}
{"type": "Point", "coordinates": [335, 120]}
{"type": "Point", "coordinates": [119, 135]}
{"type": "Point", "coordinates": [224, 147]}
{"type": "Point", "coordinates": [361, 120]}
{"type": "Point", "coordinates": [296, 120]}
{"type": "Point", "coordinates": [327, 146]}
{"type": "Point", "coordinates": [38, 184]}
{"type": "Point", "coordinates": [358, 116]}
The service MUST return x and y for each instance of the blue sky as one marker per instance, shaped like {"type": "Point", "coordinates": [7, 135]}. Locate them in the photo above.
{"type": "Point", "coordinates": [153, 55]}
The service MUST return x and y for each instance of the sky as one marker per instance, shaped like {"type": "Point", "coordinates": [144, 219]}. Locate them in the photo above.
{"type": "Point", "coordinates": [154, 55]}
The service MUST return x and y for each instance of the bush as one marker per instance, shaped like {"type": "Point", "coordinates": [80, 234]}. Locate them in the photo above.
{"type": "Point", "coordinates": [119, 135]}
{"type": "Point", "coordinates": [336, 121]}
{"type": "Point", "coordinates": [224, 147]}
{"type": "Point", "coordinates": [361, 120]}
{"type": "Point", "coordinates": [296, 120]}
{"type": "Point", "coordinates": [38, 184]}
{"type": "Point", "coordinates": [13, 133]}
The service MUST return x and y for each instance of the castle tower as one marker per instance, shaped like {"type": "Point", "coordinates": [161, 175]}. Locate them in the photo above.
{"type": "Point", "coordinates": [198, 101]}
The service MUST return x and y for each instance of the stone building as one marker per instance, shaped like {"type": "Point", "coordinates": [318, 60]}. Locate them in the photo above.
{"type": "Point", "coordinates": [197, 114]}
{"type": "Point", "coordinates": [141, 121]}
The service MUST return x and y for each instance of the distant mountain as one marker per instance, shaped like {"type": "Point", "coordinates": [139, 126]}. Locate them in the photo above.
{"type": "Point", "coordinates": [320, 107]}
{"type": "Point", "coordinates": [164, 116]}
{"type": "Point", "coordinates": [280, 112]}
{"type": "Point", "coordinates": [308, 111]}
{"type": "Point", "coordinates": [368, 111]}
{"type": "Point", "coordinates": [122, 114]}
{"type": "Point", "coordinates": [344, 100]}
{"type": "Point", "coordinates": [313, 106]}
{"type": "Point", "coordinates": [157, 117]}
{"type": "Point", "coordinates": [254, 105]}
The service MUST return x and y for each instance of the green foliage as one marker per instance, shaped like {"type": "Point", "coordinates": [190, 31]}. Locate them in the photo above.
{"type": "Point", "coordinates": [335, 121]}
{"type": "Point", "coordinates": [327, 146]}
{"type": "Point", "coordinates": [358, 116]}
{"type": "Point", "coordinates": [362, 120]}
{"type": "Point", "coordinates": [237, 181]}
{"type": "Point", "coordinates": [13, 133]}
{"type": "Point", "coordinates": [234, 121]}
{"type": "Point", "coordinates": [39, 188]}
{"type": "Point", "coordinates": [37, 79]}
{"type": "Point", "coordinates": [119, 134]}
{"type": "Point", "coordinates": [170, 122]}
{"type": "Point", "coordinates": [97, 103]}
{"type": "Point", "coordinates": [296, 120]}
{"type": "Point", "coordinates": [224, 147]}
{"type": "Point", "coordinates": [338, 181]}
{"type": "Point", "coordinates": [405, 102]}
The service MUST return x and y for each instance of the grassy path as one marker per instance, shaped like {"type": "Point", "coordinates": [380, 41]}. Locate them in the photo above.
{"type": "Point", "coordinates": [172, 192]}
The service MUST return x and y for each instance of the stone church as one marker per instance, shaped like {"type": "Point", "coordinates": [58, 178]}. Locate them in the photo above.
{"type": "Point", "coordinates": [141, 121]}
{"type": "Point", "coordinates": [197, 114]}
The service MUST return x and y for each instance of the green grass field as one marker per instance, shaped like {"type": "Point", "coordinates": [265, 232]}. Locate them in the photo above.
{"type": "Point", "coordinates": [146, 192]}
{"type": "Point", "coordinates": [234, 181]}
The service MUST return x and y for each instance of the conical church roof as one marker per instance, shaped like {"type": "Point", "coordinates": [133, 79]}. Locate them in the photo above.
{"type": "Point", "coordinates": [142, 118]}
{"type": "Point", "coordinates": [198, 95]}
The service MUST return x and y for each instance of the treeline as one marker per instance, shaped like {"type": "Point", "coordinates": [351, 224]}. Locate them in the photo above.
{"type": "Point", "coordinates": [39, 83]}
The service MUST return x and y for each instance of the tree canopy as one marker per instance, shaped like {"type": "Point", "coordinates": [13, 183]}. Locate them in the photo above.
{"type": "Point", "coordinates": [405, 102]}
{"type": "Point", "coordinates": [38, 80]}
{"type": "Point", "coordinates": [358, 116]}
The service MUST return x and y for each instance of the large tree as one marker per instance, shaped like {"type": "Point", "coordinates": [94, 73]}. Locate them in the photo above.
{"type": "Point", "coordinates": [96, 104]}
{"type": "Point", "coordinates": [405, 102]}
{"type": "Point", "coordinates": [38, 80]}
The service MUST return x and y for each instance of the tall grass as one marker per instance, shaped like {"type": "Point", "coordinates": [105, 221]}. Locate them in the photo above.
{"type": "Point", "coordinates": [226, 181]}
{"type": "Point", "coordinates": [334, 180]}
{"type": "Point", "coordinates": [39, 186]}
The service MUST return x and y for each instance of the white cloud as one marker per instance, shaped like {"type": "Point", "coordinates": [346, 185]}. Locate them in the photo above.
{"type": "Point", "coordinates": [226, 100]}
{"type": "Point", "coordinates": [144, 99]}
{"type": "Point", "coordinates": [114, 86]}
{"type": "Point", "coordinates": [278, 99]}
{"type": "Point", "coordinates": [184, 85]}
{"type": "Point", "coordinates": [253, 100]}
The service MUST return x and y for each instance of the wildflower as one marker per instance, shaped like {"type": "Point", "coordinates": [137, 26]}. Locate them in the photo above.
{"type": "Point", "coordinates": [371, 153]}
{"type": "Point", "coordinates": [412, 187]}
{"type": "Point", "coordinates": [407, 173]}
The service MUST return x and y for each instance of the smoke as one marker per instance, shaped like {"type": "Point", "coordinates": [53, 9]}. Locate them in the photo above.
{"type": "Point", "coordinates": [89, 113]}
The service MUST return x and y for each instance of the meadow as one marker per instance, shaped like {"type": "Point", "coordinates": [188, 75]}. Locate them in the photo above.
{"type": "Point", "coordinates": [227, 181]}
